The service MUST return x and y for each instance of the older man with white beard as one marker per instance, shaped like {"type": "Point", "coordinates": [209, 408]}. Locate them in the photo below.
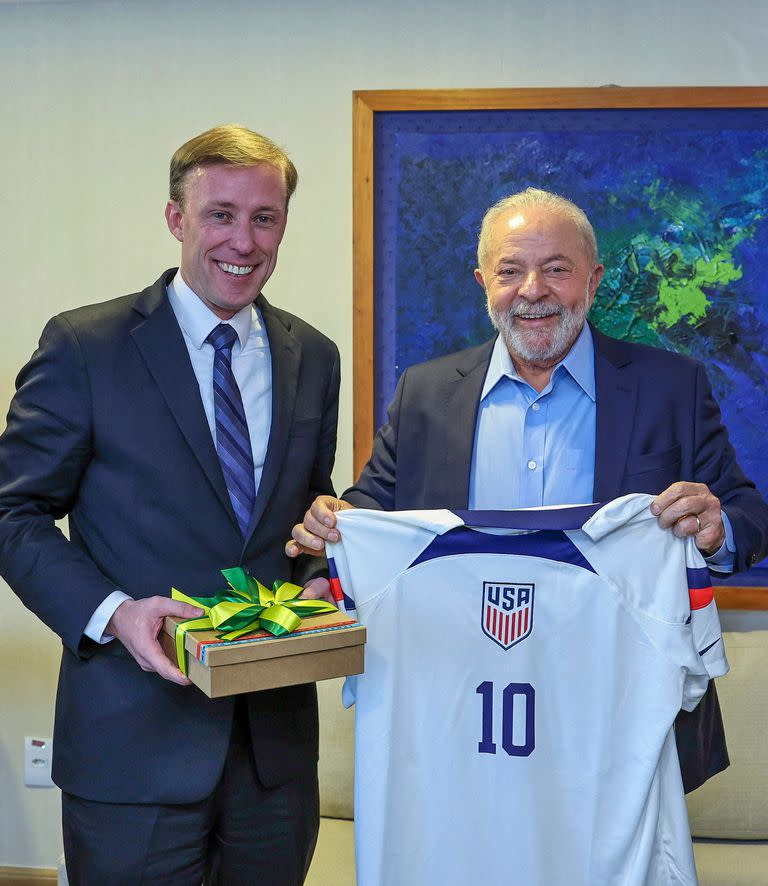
{"type": "Point", "coordinates": [553, 412]}
{"type": "Point", "coordinates": [537, 298]}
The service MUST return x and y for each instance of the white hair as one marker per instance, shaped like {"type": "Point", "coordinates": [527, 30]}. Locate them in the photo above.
{"type": "Point", "coordinates": [537, 198]}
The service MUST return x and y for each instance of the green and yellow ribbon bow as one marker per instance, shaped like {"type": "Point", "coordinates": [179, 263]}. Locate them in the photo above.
{"type": "Point", "coordinates": [247, 606]}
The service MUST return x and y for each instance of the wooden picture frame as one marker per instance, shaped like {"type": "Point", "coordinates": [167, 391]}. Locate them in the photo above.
{"type": "Point", "coordinates": [369, 106]}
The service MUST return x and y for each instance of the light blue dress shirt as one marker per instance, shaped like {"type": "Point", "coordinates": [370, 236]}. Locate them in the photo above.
{"type": "Point", "coordinates": [534, 449]}
{"type": "Point", "coordinates": [252, 368]}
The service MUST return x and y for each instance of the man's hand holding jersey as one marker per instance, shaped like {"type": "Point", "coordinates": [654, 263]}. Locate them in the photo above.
{"type": "Point", "coordinates": [319, 526]}
{"type": "Point", "coordinates": [691, 509]}
{"type": "Point", "coordinates": [310, 537]}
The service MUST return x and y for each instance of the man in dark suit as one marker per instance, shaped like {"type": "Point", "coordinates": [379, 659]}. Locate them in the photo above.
{"type": "Point", "coordinates": [553, 412]}
{"type": "Point", "coordinates": [183, 429]}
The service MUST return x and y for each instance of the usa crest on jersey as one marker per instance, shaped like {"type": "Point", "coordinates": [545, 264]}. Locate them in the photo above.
{"type": "Point", "coordinates": [507, 616]}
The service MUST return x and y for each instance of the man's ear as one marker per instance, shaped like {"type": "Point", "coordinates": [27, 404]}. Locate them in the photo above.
{"type": "Point", "coordinates": [479, 278]}
{"type": "Point", "coordinates": [594, 281]}
{"type": "Point", "coordinates": [174, 218]}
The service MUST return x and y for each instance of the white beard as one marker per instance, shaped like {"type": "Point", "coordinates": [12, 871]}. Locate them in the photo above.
{"type": "Point", "coordinates": [539, 345]}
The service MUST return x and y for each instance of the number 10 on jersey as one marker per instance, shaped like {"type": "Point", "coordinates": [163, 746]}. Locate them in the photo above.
{"type": "Point", "coordinates": [518, 719]}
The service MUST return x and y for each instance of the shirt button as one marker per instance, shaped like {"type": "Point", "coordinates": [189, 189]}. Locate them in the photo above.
{"type": "Point", "coordinates": [535, 407]}
{"type": "Point", "coordinates": [532, 465]}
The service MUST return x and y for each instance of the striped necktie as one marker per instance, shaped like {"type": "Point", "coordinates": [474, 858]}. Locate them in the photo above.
{"type": "Point", "coordinates": [233, 443]}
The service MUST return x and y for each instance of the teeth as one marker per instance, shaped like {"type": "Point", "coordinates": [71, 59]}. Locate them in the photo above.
{"type": "Point", "coordinates": [235, 269]}
{"type": "Point", "coordinates": [536, 314]}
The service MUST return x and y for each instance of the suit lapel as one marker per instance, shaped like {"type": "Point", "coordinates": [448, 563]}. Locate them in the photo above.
{"type": "Point", "coordinates": [460, 403]}
{"type": "Point", "coordinates": [161, 343]}
{"type": "Point", "coordinates": [616, 395]}
{"type": "Point", "coordinates": [285, 356]}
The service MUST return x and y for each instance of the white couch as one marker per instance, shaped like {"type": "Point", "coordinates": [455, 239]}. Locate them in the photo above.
{"type": "Point", "coordinates": [334, 860]}
{"type": "Point", "coordinates": [729, 814]}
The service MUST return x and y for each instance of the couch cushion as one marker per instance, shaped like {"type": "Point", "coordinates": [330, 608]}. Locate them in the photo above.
{"type": "Point", "coordinates": [333, 863]}
{"type": "Point", "coordinates": [733, 804]}
{"type": "Point", "coordinates": [731, 864]}
{"type": "Point", "coordinates": [337, 751]}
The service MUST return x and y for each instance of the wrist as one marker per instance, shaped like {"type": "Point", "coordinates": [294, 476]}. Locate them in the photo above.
{"type": "Point", "coordinates": [714, 548]}
{"type": "Point", "coordinates": [113, 625]}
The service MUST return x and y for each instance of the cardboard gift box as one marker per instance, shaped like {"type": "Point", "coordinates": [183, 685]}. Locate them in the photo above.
{"type": "Point", "coordinates": [323, 646]}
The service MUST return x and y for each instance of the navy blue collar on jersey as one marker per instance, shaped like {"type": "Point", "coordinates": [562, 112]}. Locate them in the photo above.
{"type": "Point", "coordinates": [541, 518]}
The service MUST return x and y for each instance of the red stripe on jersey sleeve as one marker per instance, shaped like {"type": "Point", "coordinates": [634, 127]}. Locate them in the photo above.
{"type": "Point", "coordinates": [700, 597]}
{"type": "Point", "coordinates": [338, 594]}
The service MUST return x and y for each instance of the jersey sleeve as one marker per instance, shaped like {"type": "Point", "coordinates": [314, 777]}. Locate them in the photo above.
{"type": "Point", "coordinates": [375, 547]}
{"type": "Point", "coordinates": [705, 629]}
{"type": "Point", "coordinates": [664, 581]}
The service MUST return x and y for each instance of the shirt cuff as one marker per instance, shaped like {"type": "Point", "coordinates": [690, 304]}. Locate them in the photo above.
{"type": "Point", "coordinates": [724, 559]}
{"type": "Point", "coordinates": [100, 618]}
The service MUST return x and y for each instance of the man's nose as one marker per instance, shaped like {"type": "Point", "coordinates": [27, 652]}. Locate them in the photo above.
{"type": "Point", "coordinates": [532, 285]}
{"type": "Point", "coordinates": [241, 237]}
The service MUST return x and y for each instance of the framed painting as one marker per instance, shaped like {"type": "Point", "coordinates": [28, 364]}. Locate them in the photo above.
{"type": "Point", "coordinates": [674, 180]}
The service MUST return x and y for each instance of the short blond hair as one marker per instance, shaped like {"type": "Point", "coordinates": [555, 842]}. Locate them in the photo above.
{"type": "Point", "coordinates": [234, 146]}
{"type": "Point", "coordinates": [536, 198]}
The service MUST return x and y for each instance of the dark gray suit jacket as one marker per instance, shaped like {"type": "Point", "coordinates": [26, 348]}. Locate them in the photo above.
{"type": "Point", "coordinates": [107, 426]}
{"type": "Point", "coordinates": [657, 423]}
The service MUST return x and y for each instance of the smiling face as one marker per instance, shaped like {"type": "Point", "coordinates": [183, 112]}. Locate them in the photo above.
{"type": "Point", "coordinates": [539, 283]}
{"type": "Point", "coordinates": [230, 226]}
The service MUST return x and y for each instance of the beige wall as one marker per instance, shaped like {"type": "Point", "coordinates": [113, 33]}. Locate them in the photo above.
{"type": "Point", "coordinates": [94, 97]}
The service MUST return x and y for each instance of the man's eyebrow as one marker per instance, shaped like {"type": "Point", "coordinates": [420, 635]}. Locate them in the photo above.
{"type": "Point", "coordinates": [226, 204]}
{"type": "Point", "coordinates": [514, 260]}
{"type": "Point", "coordinates": [558, 256]}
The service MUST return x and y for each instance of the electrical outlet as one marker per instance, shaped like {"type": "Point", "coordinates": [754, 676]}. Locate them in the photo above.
{"type": "Point", "coordinates": [37, 762]}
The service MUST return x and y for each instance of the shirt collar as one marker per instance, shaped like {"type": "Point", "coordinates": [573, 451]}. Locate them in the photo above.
{"type": "Point", "coordinates": [198, 320]}
{"type": "Point", "coordinates": [579, 362]}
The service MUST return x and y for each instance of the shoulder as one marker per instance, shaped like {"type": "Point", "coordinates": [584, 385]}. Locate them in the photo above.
{"type": "Point", "coordinates": [105, 320]}
{"type": "Point", "coordinates": [650, 360]}
{"type": "Point", "coordinates": [458, 363]}
{"type": "Point", "coordinates": [304, 332]}
{"type": "Point", "coordinates": [94, 319]}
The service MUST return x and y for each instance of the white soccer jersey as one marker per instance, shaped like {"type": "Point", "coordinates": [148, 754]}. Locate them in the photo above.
{"type": "Point", "coordinates": [523, 672]}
